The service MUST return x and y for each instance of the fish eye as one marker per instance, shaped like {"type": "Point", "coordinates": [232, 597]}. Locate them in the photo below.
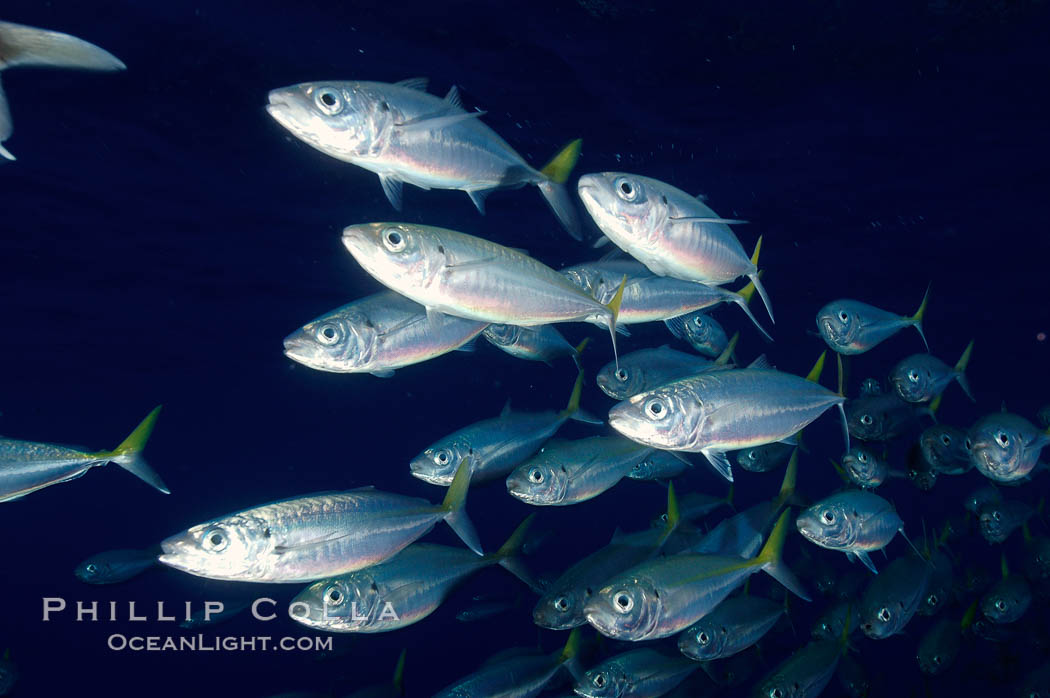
{"type": "Point", "coordinates": [828, 516]}
{"type": "Point", "coordinates": [776, 693]}
{"type": "Point", "coordinates": [843, 316]}
{"type": "Point", "coordinates": [626, 190]}
{"type": "Point", "coordinates": [997, 515]}
{"type": "Point", "coordinates": [215, 540]}
{"type": "Point", "coordinates": [1003, 438]}
{"type": "Point", "coordinates": [885, 615]}
{"type": "Point", "coordinates": [442, 457]}
{"type": "Point", "coordinates": [621, 375]}
{"type": "Point", "coordinates": [936, 659]}
{"type": "Point", "coordinates": [866, 420]}
{"type": "Point", "coordinates": [535, 475]}
{"type": "Point", "coordinates": [329, 101]}
{"type": "Point", "coordinates": [968, 445]}
{"type": "Point", "coordinates": [333, 597]}
{"type": "Point", "coordinates": [562, 604]}
{"type": "Point", "coordinates": [913, 376]}
{"type": "Point", "coordinates": [655, 408]}
{"type": "Point", "coordinates": [932, 600]}
{"type": "Point", "coordinates": [1000, 605]}
{"type": "Point", "coordinates": [946, 440]}
{"type": "Point", "coordinates": [862, 456]}
{"type": "Point", "coordinates": [393, 239]}
{"type": "Point", "coordinates": [623, 602]}
{"type": "Point", "coordinates": [327, 334]}
{"type": "Point", "coordinates": [698, 321]}
{"type": "Point", "coordinates": [703, 638]}
{"type": "Point", "coordinates": [599, 680]}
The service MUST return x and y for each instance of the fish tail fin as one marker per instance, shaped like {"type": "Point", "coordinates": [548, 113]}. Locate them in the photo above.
{"type": "Point", "coordinates": [672, 516]}
{"type": "Point", "coordinates": [757, 281]}
{"type": "Point", "coordinates": [960, 369]}
{"type": "Point", "coordinates": [614, 308]}
{"type": "Point", "coordinates": [935, 404]}
{"type": "Point", "coordinates": [572, 410]}
{"type": "Point", "coordinates": [578, 350]}
{"type": "Point", "coordinates": [556, 173]}
{"type": "Point", "coordinates": [1026, 532]}
{"type": "Point", "coordinates": [916, 319]}
{"type": "Point", "coordinates": [927, 557]}
{"type": "Point", "coordinates": [455, 504]}
{"type": "Point", "coordinates": [818, 368]}
{"type": "Point", "coordinates": [727, 353]}
{"type": "Point", "coordinates": [839, 469]}
{"type": "Point", "coordinates": [399, 674]}
{"type": "Point", "coordinates": [572, 647]}
{"type": "Point", "coordinates": [1003, 567]}
{"type": "Point", "coordinates": [128, 454]}
{"type": "Point", "coordinates": [787, 486]}
{"type": "Point", "coordinates": [508, 555]}
{"type": "Point", "coordinates": [29, 46]}
{"type": "Point", "coordinates": [771, 560]}
{"type": "Point", "coordinates": [842, 374]}
{"type": "Point", "coordinates": [729, 496]}
{"type": "Point", "coordinates": [970, 616]}
{"type": "Point", "coordinates": [744, 300]}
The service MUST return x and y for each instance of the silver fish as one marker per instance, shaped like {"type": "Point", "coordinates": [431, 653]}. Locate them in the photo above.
{"type": "Point", "coordinates": [1008, 599]}
{"type": "Point", "coordinates": [378, 334]}
{"type": "Point", "coordinates": [661, 597]}
{"type": "Point", "coordinates": [856, 522]}
{"type": "Point", "coordinates": [853, 327]}
{"type": "Point", "coordinates": [403, 134]}
{"type": "Point", "coordinates": [922, 377]}
{"type": "Point", "coordinates": [562, 605]}
{"type": "Point", "coordinates": [304, 539]}
{"type": "Point", "coordinates": [939, 589]}
{"type": "Point", "coordinates": [472, 278]}
{"type": "Point", "coordinates": [27, 466]}
{"type": "Point", "coordinates": [701, 331]}
{"type": "Point", "coordinates": [762, 459]}
{"type": "Point", "coordinates": [669, 231]}
{"type": "Point", "coordinates": [939, 646]}
{"type": "Point", "coordinates": [1005, 447]}
{"type": "Point", "coordinates": [658, 465]}
{"type": "Point", "coordinates": [651, 298]}
{"type": "Point", "coordinates": [399, 592]}
{"type": "Point", "coordinates": [754, 406]}
{"type": "Point", "coordinates": [115, 566]}
{"type": "Point", "coordinates": [836, 619]}
{"type": "Point", "coordinates": [646, 369]}
{"type": "Point", "coordinates": [732, 627]}
{"type": "Point", "coordinates": [999, 518]}
{"type": "Point", "coordinates": [945, 449]}
{"type": "Point", "coordinates": [865, 468]}
{"type": "Point", "coordinates": [881, 417]}
{"type": "Point", "coordinates": [804, 674]}
{"type": "Point", "coordinates": [41, 48]}
{"type": "Point", "coordinates": [543, 343]}
{"type": "Point", "coordinates": [516, 677]}
{"type": "Point", "coordinates": [569, 472]}
{"type": "Point", "coordinates": [637, 673]}
{"type": "Point", "coordinates": [893, 597]}
{"type": "Point", "coordinates": [494, 447]}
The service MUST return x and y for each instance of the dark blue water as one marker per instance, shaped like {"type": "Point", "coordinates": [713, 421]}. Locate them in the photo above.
{"type": "Point", "coordinates": [160, 235]}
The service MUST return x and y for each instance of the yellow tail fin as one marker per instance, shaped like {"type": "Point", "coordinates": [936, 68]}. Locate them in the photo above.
{"type": "Point", "coordinates": [560, 166]}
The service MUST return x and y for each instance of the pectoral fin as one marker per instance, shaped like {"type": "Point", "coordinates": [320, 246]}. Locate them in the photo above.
{"type": "Point", "coordinates": [392, 189]}
{"type": "Point", "coordinates": [720, 462]}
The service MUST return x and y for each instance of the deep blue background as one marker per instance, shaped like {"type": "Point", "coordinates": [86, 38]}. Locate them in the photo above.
{"type": "Point", "coordinates": [160, 234]}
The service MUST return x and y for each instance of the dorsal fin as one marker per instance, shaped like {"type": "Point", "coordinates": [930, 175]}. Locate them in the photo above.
{"type": "Point", "coordinates": [414, 83]}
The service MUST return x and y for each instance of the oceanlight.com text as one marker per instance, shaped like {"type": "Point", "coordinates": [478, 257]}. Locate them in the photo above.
{"type": "Point", "coordinates": [228, 643]}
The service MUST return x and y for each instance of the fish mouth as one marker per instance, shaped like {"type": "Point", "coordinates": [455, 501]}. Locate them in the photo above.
{"type": "Point", "coordinates": [418, 471]}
